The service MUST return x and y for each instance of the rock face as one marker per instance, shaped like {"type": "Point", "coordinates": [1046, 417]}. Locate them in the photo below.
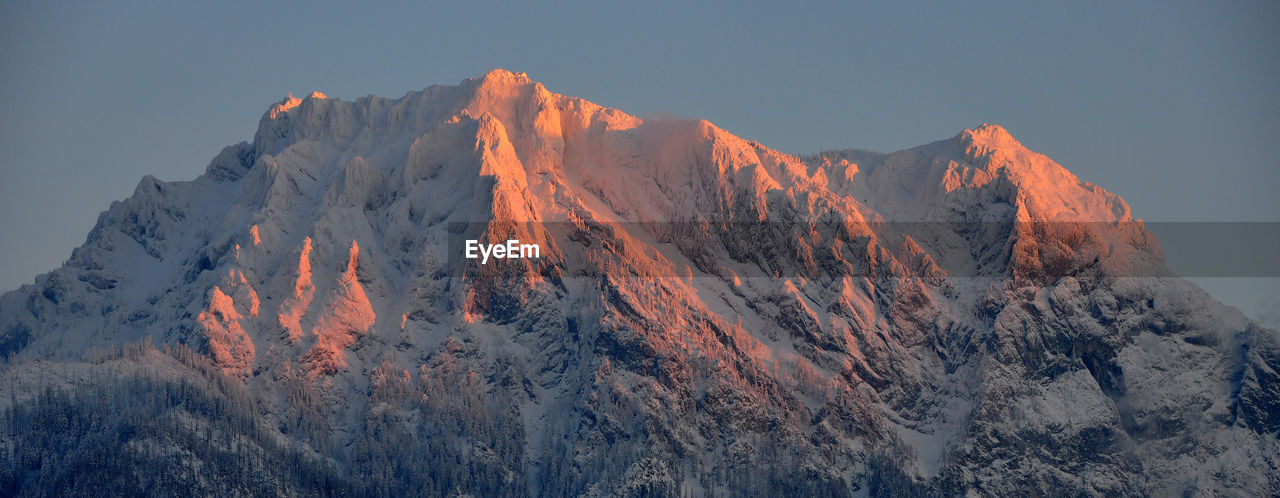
{"type": "Point", "coordinates": [707, 316]}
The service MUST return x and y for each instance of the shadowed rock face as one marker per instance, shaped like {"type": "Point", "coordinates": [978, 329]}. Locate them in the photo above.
{"type": "Point", "coordinates": [707, 315]}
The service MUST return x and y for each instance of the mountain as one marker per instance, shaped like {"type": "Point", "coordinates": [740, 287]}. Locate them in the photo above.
{"type": "Point", "coordinates": [705, 316]}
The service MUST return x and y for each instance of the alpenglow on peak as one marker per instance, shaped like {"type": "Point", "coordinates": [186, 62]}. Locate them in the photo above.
{"type": "Point", "coordinates": [702, 315]}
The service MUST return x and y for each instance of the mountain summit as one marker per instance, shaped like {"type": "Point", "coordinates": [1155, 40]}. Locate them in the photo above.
{"type": "Point", "coordinates": [703, 315]}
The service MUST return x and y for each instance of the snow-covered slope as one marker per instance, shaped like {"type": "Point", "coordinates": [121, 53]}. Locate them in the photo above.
{"type": "Point", "coordinates": [709, 315]}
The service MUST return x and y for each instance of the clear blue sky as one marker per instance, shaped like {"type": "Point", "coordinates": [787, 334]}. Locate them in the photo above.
{"type": "Point", "coordinates": [1173, 105]}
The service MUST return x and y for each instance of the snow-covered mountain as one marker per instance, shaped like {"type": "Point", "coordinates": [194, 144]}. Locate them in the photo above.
{"type": "Point", "coordinates": [708, 316]}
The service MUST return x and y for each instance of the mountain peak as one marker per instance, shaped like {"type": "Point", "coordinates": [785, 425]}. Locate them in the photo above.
{"type": "Point", "coordinates": [503, 78]}
{"type": "Point", "coordinates": [991, 136]}
{"type": "Point", "coordinates": [498, 91]}
{"type": "Point", "coordinates": [992, 146]}
{"type": "Point", "coordinates": [284, 105]}
{"type": "Point", "coordinates": [688, 290]}
{"type": "Point", "coordinates": [290, 102]}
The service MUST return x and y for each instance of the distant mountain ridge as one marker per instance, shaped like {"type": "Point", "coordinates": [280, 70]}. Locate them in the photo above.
{"type": "Point", "coordinates": [708, 316]}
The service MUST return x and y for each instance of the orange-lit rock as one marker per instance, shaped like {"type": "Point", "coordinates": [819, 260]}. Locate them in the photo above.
{"type": "Point", "coordinates": [345, 317]}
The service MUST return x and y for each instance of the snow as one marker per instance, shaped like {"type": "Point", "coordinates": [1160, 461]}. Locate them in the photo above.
{"type": "Point", "coordinates": [323, 245]}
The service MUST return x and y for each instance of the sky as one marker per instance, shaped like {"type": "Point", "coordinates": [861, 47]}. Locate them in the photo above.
{"type": "Point", "coordinates": [1172, 105]}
